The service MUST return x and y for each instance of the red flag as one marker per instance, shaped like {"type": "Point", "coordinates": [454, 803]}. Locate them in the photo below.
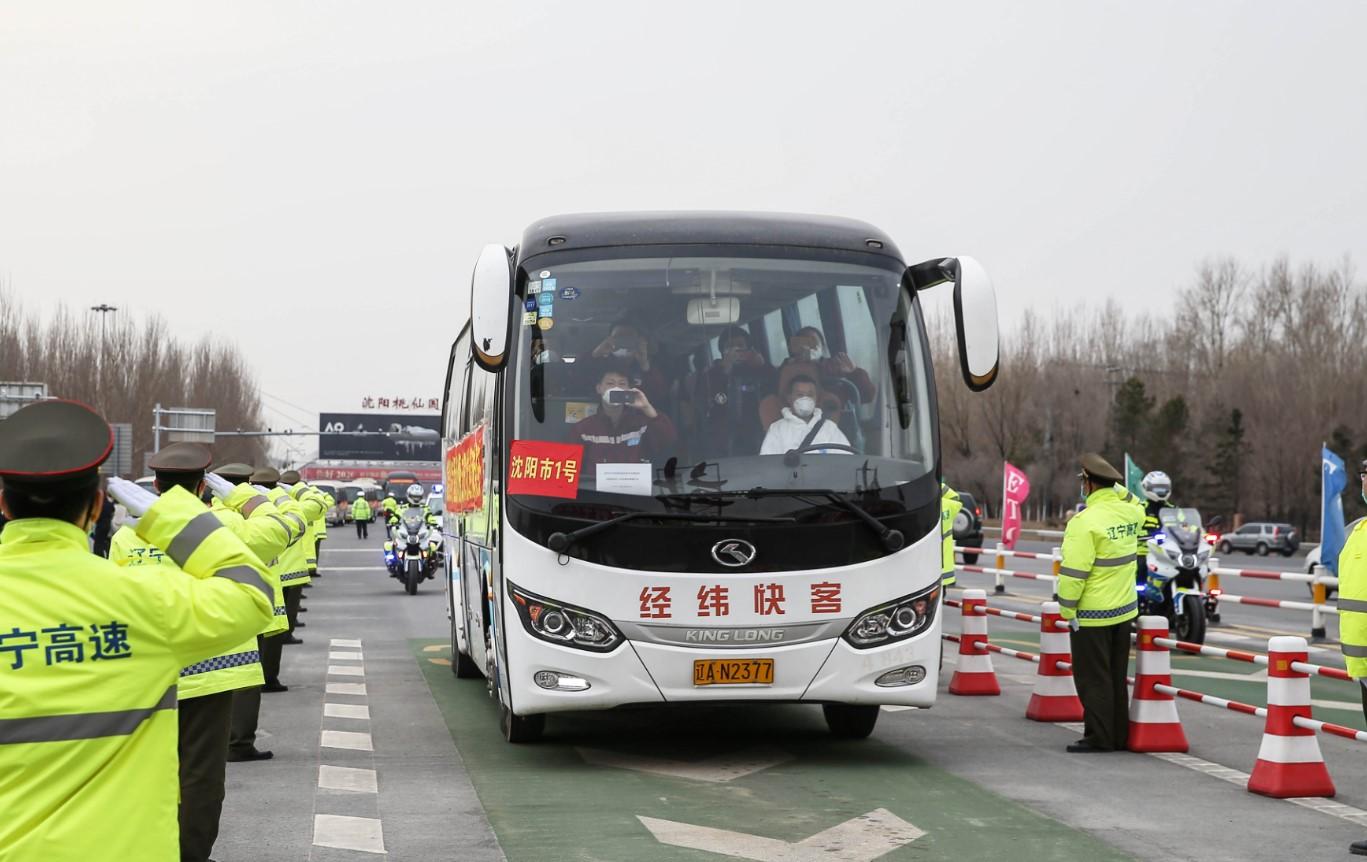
{"type": "Point", "coordinates": [1015, 488]}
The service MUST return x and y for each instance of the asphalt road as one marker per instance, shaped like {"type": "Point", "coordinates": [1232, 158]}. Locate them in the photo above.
{"type": "Point", "coordinates": [382, 754]}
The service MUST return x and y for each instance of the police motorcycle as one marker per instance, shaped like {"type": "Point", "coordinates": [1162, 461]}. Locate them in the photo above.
{"type": "Point", "coordinates": [1178, 564]}
{"type": "Point", "coordinates": [414, 546]}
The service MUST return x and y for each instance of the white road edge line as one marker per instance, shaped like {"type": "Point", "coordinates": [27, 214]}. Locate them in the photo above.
{"type": "Point", "coordinates": [348, 833]}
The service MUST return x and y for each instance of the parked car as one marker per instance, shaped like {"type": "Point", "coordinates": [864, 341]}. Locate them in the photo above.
{"type": "Point", "coordinates": [1260, 537]}
{"type": "Point", "coordinates": [968, 526]}
{"type": "Point", "coordinates": [1312, 562]}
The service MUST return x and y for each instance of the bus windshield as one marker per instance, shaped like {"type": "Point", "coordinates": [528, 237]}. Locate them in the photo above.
{"type": "Point", "coordinates": [669, 376]}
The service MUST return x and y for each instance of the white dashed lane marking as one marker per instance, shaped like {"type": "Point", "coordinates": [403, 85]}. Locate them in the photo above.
{"type": "Point", "coordinates": [345, 670]}
{"type": "Point", "coordinates": [347, 710]}
{"type": "Point", "coordinates": [346, 656]}
{"type": "Point", "coordinates": [355, 688]}
{"type": "Point", "coordinates": [347, 739]}
{"type": "Point", "coordinates": [345, 643]}
{"type": "Point", "coordinates": [347, 778]}
{"type": "Point", "coordinates": [348, 833]}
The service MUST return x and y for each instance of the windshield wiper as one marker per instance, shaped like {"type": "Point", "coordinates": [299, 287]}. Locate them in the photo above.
{"type": "Point", "coordinates": [892, 539]}
{"type": "Point", "coordinates": [560, 542]}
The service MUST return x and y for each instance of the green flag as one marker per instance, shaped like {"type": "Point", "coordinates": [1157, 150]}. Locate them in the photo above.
{"type": "Point", "coordinates": [1134, 476]}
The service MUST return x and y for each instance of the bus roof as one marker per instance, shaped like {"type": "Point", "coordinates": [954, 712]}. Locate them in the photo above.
{"type": "Point", "coordinates": [593, 230]}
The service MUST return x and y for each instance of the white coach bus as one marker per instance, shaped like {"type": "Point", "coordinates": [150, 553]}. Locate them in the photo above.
{"type": "Point", "coordinates": [695, 457]}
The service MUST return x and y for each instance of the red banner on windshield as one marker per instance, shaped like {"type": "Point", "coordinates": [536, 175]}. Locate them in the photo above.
{"type": "Point", "coordinates": [545, 469]}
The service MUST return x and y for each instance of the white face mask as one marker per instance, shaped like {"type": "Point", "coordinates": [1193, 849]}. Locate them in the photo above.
{"type": "Point", "coordinates": [621, 353]}
{"type": "Point", "coordinates": [544, 357]}
{"type": "Point", "coordinates": [804, 406]}
{"type": "Point", "coordinates": [808, 354]}
{"type": "Point", "coordinates": [609, 391]}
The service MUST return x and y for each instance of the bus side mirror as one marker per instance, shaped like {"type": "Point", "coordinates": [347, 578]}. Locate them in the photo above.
{"type": "Point", "coordinates": [491, 307]}
{"type": "Point", "coordinates": [975, 314]}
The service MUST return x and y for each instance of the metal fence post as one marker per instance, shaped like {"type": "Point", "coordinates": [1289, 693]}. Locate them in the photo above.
{"type": "Point", "coordinates": [1318, 633]}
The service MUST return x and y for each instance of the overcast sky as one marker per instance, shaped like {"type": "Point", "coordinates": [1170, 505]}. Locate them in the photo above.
{"type": "Point", "coordinates": [308, 175]}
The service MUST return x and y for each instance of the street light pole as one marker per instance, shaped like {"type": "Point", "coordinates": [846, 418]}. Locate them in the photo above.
{"type": "Point", "coordinates": [103, 310]}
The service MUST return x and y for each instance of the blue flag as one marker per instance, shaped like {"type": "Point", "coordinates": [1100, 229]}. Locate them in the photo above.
{"type": "Point", "coordinates": [1334, 480]}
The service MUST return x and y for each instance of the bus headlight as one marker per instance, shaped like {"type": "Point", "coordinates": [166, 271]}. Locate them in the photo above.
{"type": "Point", "coordinates": [894, 620]}
{"type": "Point", "coordinates": [567, 625]}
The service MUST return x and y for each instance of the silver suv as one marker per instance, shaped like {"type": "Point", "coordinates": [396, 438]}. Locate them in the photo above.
{"type": "Point", "coordinates": [1260, 537]}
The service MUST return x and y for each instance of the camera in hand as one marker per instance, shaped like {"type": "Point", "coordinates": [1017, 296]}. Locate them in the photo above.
{"type": "Point", "coordinates": [621, 396]}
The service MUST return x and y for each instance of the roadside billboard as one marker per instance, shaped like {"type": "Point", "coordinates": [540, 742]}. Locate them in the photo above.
{"type": "Point", "coordinates": [379, 437]}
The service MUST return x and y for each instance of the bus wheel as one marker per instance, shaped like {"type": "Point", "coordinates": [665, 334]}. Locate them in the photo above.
{"type": "Point", "coordinates": [850, 721]}
{"type": "Point", "coordinates": [519, 729]}
{"type": "Point", "coordinates": [462, 665]}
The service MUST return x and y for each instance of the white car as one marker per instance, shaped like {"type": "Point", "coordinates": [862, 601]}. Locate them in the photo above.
{"type": "Point", "coordinates": [1312, 561]}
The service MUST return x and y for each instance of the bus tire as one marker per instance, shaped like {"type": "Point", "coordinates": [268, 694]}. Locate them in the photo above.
{"type": "Point", "coordinates": [850, 720]}
{"type": "Point", "coordinates": [520, 729]}
{"type": "Point", "coordinates": [462, 665]}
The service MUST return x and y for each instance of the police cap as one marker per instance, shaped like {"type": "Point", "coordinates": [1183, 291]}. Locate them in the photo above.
{"type": "Point", "coordinates": [290, 477]}
{"type": "Point", "coordinates": [1098, 468]}
{"type": "Point", "coordinates": [266, 475]}
{"type": "Point", "coordinates": [235, 472]}
{"type": "Point", "coordinates": [51, 441]}
{"type": "Point", "coordinates": [180, 458]}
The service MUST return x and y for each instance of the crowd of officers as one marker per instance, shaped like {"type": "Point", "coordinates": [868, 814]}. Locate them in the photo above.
{"type": "Point", "coordinates": [131, 681]}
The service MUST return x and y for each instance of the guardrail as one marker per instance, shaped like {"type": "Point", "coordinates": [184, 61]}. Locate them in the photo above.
{"type": "Point", "coordinates": [1283, 769]}
{"type": "Point", "coordinates": [1318, 606]}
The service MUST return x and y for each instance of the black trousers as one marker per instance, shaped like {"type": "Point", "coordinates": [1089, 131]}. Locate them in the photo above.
{"type": "Point", "coordinates": [203, 747]}
{"type": "Point", "coordinates": [270, 648]}
{"type": "Point", "coordinates": [1362, 684]}
{"type": "Point", "coordinates": [293, 595]}
{"type": "Point", "coordinates": [317, 556]}
{"type": "Point", "coordinates": [1101, 660]}
{"type": "Point", "coordinates": [362, 530]}
{"type": "Point", "coordinates": [246, 717]}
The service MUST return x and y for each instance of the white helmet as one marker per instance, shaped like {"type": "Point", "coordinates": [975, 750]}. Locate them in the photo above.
{"type": "Point", "coordinates": [415, 494]}
{"type": "Point", "coordinates": [1157, 486]}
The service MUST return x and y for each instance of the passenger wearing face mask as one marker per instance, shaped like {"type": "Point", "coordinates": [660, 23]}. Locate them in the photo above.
{"type": "Point", "coordinates": [808, 346]}
{"type": "Point", "coordinates": [626, 428]}
{"type": "Point", "coordinates": [801, 423]}
{"type": "Point", "coordinates": [729, 394]}
{"type": "Point", "coordinates": [627, 349]}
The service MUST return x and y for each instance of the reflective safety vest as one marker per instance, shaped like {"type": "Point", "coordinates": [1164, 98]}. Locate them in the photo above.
{"type": "Point", "coordinates": [1150, 528]}
{"type": "Point", "coordinates": [360, 510]}
{"type": "Point", "coordinates": [294, 560]}
{"type": "Point", "coordinates": [266, 532]}
{"type": "Point", "coordinates": [239, 667]}
{"type": "Point", "coordinates": [950, 506]}
{"type": "Point", "coordinates": [89, 658]}
{"type": "Point", "coordinates": [1096, 578]}
{"type": "Point", "coordinates": [1353, 601]}
{"type": "Point", "coordinates": [321, 533]}
{"type": "Point", "coordinates": [301, 492]}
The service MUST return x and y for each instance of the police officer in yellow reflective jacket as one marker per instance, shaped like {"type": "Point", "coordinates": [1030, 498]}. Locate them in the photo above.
{"type": "Point", "coordinates": [950, 506]}
{"type": "Point", "coordinates": [90, 652]}
{"type": "Point", "coordinates": [1096, 594]}
{"type": "Point", "coordinates": [205, 689]}
{"type": "Point", "coordinates": [1353, 610]}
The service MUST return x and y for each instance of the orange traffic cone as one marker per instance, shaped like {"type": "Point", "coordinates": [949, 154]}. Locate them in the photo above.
{"type": "Point", "coordinates": [1055, 696]}
{"type": "Point", "coordinates": [1289, 761]}
{"type": "Point", "coordinates": [974, 674]}
{"type": "Point", "coordinates": [1154, 723]}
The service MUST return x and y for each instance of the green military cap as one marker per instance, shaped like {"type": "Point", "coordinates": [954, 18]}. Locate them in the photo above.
{"type": "Point", "coordinates": [290, 477]}
{"type": "Point", "coordinates": [235, 472]}
{"type": "Point", "coordinates": [180, 458]}
{"type": "Point", "coordinates": [266, 475]}
{"type": "Point", "coordinates": [50, 441]}
{"type": "Point", "coordinates": [1096, 467]}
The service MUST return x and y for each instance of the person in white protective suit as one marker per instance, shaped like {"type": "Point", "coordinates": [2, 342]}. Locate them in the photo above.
{"type": "Point", "coordinates": [802, 424]}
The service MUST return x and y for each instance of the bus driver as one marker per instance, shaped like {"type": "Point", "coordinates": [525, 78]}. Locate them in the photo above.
{"type": "Point", "coordinates": [801, 423]}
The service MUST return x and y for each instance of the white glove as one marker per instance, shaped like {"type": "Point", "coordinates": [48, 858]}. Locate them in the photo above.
{"type": "Point", "coordinates": [262, 489]}
{"type": "Point", "coordinates": [288, 488]}
{"type": "Point", "coordinates": [1072, 624]}
{"type": "Point", "coordinates": [136, 499]}
{"type": "Point", "coordinates": [218, 486]}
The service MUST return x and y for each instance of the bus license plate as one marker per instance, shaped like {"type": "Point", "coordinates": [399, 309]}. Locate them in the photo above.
{"type": "Point", "coordinates": [726, 671]}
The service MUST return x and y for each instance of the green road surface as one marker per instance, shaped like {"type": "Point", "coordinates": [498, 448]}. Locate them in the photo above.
{"type": "Point", "coordinates": [545, 801]}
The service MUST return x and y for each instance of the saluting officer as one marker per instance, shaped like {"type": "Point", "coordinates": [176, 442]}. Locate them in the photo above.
{"type": "Point", "coordinates": [1352, 605]}
{"type": "Point", "coordinates": [1096, 595]}
{"type": "Point", "coordinates": [206, 688]}
{"type": "Point", "coordinates": [950, 506]}
{"type": "Point", "coordinates": [90, 652]}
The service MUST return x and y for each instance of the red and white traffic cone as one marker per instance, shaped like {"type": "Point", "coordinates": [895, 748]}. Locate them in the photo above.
{"type": "Point", "coordinates": [1289, 761]}
{"type": "Point", "coordinates": [974, 674]}
{"type": "Point", "coordinates": [1154, 723]}
{"type": "Point", "coordinates": [1055, 696]}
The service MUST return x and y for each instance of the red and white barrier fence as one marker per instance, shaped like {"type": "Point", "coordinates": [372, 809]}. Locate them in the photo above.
{"type": "Point", "coordinates": [1289, 762]}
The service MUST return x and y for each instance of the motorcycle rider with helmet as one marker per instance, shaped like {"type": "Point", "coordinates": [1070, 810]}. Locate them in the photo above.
{"type": "Point", "coordinates": [1157, 489]}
